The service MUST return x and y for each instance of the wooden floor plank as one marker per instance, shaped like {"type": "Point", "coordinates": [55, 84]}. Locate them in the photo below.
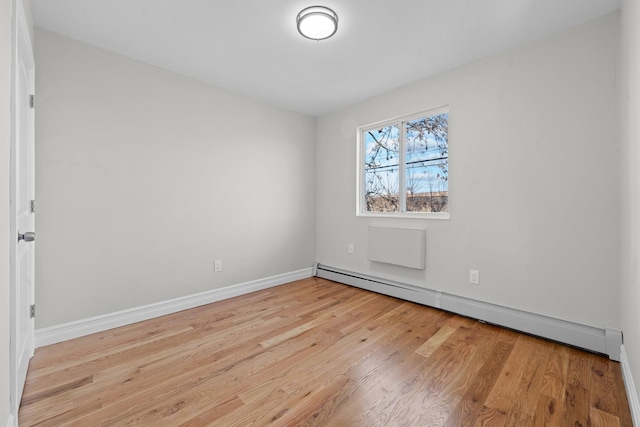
{"type": "Point", "coordinates": [435, 341]}
{"type": "Point", "coordinates": [548, 412]}
{"type": "Point", "coordinates": [604, 395]}
{"type": "Point", "coordinates": [319, 353]}
{"type": "Point", "coordinates": [601, 418]}
{"type": "Point", "coordinates": [624, 412]}
{"type": "Point", "coordinates": [472, 402]}
{"type": "Point", "coordinates": [508, 385]}
{"type": "Point", "coordinates": [522, 412]}
{"type": "Point", "coordinates": [555, 376]}
{"type": "Point", "coordinates": [382, 383]}
{"type": "Point", "coordinates": [370, 381]}
{"type": "Point", "coordinates": [577, 401]}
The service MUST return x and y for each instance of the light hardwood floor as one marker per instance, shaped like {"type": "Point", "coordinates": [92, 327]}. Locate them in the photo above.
{"type": "Point", "coordinates": [315, 352]}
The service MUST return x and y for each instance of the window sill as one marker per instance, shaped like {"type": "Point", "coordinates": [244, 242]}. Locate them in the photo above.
{"type": "Point", "coordinates": [406, 215]}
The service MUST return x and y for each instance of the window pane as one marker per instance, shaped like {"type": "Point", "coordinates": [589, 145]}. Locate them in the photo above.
{"type": "Point", "coordinates": [427, 168]}
{"type": "Point", "coordinates": [381, 169]}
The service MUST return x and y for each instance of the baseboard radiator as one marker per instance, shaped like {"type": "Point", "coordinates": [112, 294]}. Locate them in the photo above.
{"type": "Point", "coordinates": [598, 340]}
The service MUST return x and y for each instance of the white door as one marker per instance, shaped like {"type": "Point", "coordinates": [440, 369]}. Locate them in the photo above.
{"type": "Point", "coordinates": [22, 211]}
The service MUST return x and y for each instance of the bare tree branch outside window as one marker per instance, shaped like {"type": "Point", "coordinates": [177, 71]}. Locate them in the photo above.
{"type": "Point", "coordinates": [423, 163]}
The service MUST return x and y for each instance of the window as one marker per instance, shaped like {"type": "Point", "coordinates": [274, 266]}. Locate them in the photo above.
{"type": "Point", "coordinates": [409, 153]}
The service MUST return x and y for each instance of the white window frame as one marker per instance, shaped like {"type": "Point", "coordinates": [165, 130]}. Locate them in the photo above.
{"type": "Point", "coordinates": [402, 195]}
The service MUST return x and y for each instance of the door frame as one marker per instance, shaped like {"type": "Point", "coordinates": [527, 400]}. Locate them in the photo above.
{"type": "Point", "coordinates": [21, 46]}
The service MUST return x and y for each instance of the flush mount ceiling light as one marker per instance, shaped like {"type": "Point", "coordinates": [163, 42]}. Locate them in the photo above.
{"type": "Point", "coordinates": [317, 22]}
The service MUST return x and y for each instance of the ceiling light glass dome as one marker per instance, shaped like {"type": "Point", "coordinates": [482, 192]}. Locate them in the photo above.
{"type": "Point", "coordinates": [317, 22]}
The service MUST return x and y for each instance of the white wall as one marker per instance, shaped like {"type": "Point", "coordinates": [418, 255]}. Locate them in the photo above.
{"type": "Point", "coordinates": [533, 178]}
{"type": "Point", "coordinates": [28, 15]}
{"type": "Point", "coordinates": [630, 152]}
{"type": "Point", "coordinates": [5, 140]}
{"type": "Point", "coordinates": [145, 177]}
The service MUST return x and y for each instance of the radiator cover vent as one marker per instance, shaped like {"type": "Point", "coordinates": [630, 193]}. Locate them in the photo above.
{"type": "Point", "coordinates": [405, 247]}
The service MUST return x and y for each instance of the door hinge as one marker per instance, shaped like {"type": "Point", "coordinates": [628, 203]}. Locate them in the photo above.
{"type": "Point", "coordinates": [32, 101]}
{"type": "Point", "coordinates": [33, 206]}
{"type": "Point", "coordinates": [32, 311]}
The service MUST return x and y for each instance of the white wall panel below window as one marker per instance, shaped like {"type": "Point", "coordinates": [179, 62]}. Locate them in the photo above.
{"type": "Point", "coordinates": [399, 246]}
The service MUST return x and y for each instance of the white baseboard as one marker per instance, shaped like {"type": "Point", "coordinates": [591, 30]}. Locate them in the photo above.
{"type": "Point", "coordinates": [629, 385]}
{"type": "Point", "coordinates": [67, 331]}
{"type": "Point", "coordinates": [599, 340]}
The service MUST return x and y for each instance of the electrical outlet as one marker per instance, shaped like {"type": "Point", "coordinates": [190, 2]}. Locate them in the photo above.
{"type": "Point", "coordinates": [217, 266]}
{"type": "Point", "coordinates": [350, 248]}
{"type": "Point", "coordinates": [474, 277]}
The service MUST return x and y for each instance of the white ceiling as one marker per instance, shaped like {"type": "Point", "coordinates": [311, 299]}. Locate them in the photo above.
{"type": "Point", "coordinates": [252, 46]}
